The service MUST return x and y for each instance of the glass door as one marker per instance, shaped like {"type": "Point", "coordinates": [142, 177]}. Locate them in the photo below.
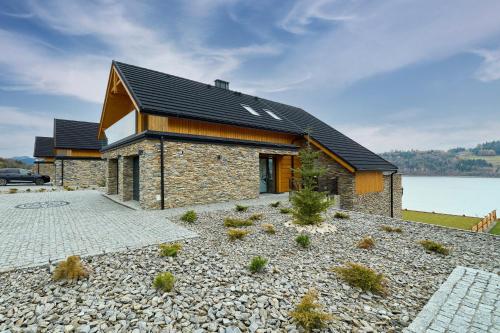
{"type": "Point", "coordinates": [266, 173]}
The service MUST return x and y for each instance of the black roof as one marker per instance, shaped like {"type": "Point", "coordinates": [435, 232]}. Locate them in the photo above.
{"type": "Point", "coordinates": [169, 95]}
{"type": "Point", "coordinates": [44, 146]}
{"type": "Point", "coordinates": [72, 134]}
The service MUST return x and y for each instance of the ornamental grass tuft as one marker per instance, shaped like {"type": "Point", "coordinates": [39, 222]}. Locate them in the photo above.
{"type": "Point", "coordinates": [235, 234]}
{"type": "Point", "coordinates": [269, 228]}
{"type": "Point", "coordinates": [341, 215]}
{"type": "Point", "coordinates": [236, 223]}
{"type": "Point", "coordinates": [275, 204]}
{"type": "Point", "coordinates": [309, 314]}
{"type": "Point", "coordinates": [286, 210]}
{"type": "Point", "coordinates": [303, 240]}
{"type": "Point", "coordinates": [256, 217]}
{"type": "Point", "coordinates": [388, 228]}
{"type": "Point", "coordinates": [190, 216]}
{"type": "Point", "coordinates": [241, 208]}
{"type": "Point", "coordinates": [360, 276]}
{"type": "Point", "coordinates": [164, 282]}
{"type": "Point", "coordinates": [257, 264]}
{"type": "Point", "coordinates": [70, 269]}
{"type": "Point", "coordinates": [170, 250]}
{"type": "Point", "coordinates": [435, 247]}
{"type": "Point", "coordinates": [366, 243]}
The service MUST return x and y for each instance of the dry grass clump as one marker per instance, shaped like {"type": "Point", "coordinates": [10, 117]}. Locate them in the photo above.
{"type": "Point", "coordinates": [70, 269]}
{"type": "Point", "coordinates": [257, 264]}
{"type": "Point", "coordinates": [190, 216]}
{"type": "Point", "coordinates": [68, 188]}
{"type": "Point", "coordinates": [269, 228]}
{"type": "Point", "coordinates": [164, 282]}
{"type": "Point", "coordinates": [41, 190]}
{"type": "Point", "coordinates": [366, 243]}
{"type": "Point", "coordinates": [256, 217]}
{"type": "Point", "coordinates": [358, 275]}
{"type": "Point", "coordinates": [170, 250]}
{"type": "Point", "coordinates": [235, 234]}
{"type": "Point", "coordinates": [286, 210]}
{"type": "Point", "coordinates": [275, 204]}
{"type": "Point", "coordinates": [12, 190]}
{"type": "Point", "coordinates": [236, 223]}
{"type": "Point", "coordinates": [388, 228]}
{"type": "Point", "coordinates": [241, 208]}
{"type": "Point", "coordinates": [309, 314]}
{"type": "Point", "coordinates": [434, 247]}
{"type": "Point", "coordinates": [341, 215]}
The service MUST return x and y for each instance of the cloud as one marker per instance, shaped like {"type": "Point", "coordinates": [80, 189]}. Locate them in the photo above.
{"type": "Point", "coordinates": [489, 70]}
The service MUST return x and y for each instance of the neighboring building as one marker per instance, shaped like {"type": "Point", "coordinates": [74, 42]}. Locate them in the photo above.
{"type": "Point", "coordinates": [196, 143]}
{"type": "Point", "coordinates": [77, 154]}
{"type": "Point", "coordinates": [44, 154]}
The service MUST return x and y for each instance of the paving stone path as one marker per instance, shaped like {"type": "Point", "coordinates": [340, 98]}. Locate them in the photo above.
{"type": "Point", "coordinates": [468, 301]}
{"type": "Point", "coordinates": [38, 227]}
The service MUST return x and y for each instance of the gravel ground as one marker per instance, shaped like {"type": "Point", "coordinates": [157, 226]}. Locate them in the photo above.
{"type": "Point", "coordinates": [215, 291]}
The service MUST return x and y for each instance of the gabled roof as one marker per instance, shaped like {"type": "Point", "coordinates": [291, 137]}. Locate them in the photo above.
{"type": "Point", "coordinates": [163, 94]}
{"type": "Point", "coordinates": [72, 134]}
{"type": "Point", "coordinates": [44, 146]}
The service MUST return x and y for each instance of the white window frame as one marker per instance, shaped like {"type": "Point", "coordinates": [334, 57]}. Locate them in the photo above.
{"type": "Point", "coordinates": [250, 109]}
{"type": "Point", "coordinates": [272, 114]}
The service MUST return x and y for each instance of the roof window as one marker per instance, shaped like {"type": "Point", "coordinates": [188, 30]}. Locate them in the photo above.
{"type": "Point", "coordinates": [272, 114]}
{"type": "Point", "coordinates": [249, 109]}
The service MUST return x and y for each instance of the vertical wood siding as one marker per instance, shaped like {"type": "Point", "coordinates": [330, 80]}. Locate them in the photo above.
{"type": "Point", "coordinates": [369, 181]}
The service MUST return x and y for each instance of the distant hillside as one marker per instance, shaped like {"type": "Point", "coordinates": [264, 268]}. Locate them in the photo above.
{"type": "Point", "coordinates": [24, 159]}
{"type": "Point", "coordinates": [483, 160]}
{"type": "Point", "coordinates": [10, 163]}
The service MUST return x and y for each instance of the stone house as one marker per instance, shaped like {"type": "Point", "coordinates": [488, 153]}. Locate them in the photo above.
{"type": "Point", "coordinates": [197, 143]}
{"type": "Point", "coordinates": [44, 156]}
{"type": "Point", "coordinates": [75, 158]}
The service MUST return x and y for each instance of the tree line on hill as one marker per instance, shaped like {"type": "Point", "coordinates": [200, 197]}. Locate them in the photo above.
{"type": "Point", "coordinates": [453, 162]}
{"type": "Point", "coordinates": [10, 163]}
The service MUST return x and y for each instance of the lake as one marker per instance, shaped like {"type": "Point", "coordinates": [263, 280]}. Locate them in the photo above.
{"type": "Point", "coordinates": [472, 196]}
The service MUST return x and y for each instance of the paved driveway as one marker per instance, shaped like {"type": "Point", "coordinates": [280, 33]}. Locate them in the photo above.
{"type": "Point", "coordinates": [38, 227]}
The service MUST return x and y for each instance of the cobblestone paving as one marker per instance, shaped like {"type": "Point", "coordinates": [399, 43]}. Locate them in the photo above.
{"type": "Point", "coordinates": [90, 224]}
{"type": "Point", "coordinates": [468, 301]}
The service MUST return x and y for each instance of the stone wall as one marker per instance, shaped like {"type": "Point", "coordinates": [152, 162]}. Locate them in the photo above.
{"type": "Point", "coordinates": [45, 169]}
{"type": "Point", "coordinates": [80, 172]}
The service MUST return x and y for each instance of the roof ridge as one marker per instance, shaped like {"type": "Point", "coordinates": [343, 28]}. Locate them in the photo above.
{"type": "Point", "coordinates": [76, 121]}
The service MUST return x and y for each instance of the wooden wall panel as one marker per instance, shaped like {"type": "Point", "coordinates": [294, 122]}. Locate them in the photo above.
{"type": "Point", "coordinates": [157, 123]}
{"type": "Point", "coordinates": [369, 181]}
{"type": "Point", "coordinates": [78, 153]}
{"type": "Point", "coordinates": [284, 170]}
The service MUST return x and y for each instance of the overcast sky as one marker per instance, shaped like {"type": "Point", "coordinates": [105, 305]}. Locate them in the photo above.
{"type": "Point", "coordinates": [390, 74]}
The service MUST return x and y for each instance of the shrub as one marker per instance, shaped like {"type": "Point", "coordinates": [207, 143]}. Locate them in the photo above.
{"type": "Point", "coordinates": [303, 240]}
{"type": "Point", "coordinates": [43, 190]}
{"type": "Point", "coordinates": [269, 228]}
{"type": "Point", "coordinates": [164, 282]}
{"type": "Point", "coordinates": [256, 217]}
{"type": "Point", "coordinates": [309, 314]}
{"type": "Point", "coordinates": [28, 190]}
{"type": "Point", "coordinates": [434, 247]}
{"type": "Point", "coordinates": [275, 204]}
{"type": "Point", "coordinates": [241, 208]}
{"type": "Point", "coordinates": [12, 190]}
{"type": "Point", "coordinates": [388, 228]}
{"type": "Point", "coordinates": [68, 188]}
{"type": "Point", "coordinates": [366, 243]}
{"type": "Point", "coordinates": [235, 234]}
{"type": "Point", "coordinates": [170, 250]}
{"type": "Point", "coordinates": [309, 204]}
{"type": "Point", "coordinates": [363, 277]}
{"type": "Point", "coordinates": [189, 216]}
{"type": "Point", "coordinates": [70, 269]}
{"type": "Point", "coordinates": [341, 215]}
{"type": "Point", "coordinates": [285, 210]}
{"type": "Point", "coordinates": [235, 223]}
{"type": "Point", "coordinates": [257, 264]}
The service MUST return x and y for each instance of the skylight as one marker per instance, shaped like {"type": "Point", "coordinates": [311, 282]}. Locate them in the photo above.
{"type": "Point", "coordinates": [272, 114]}
{"type": "Point", "coordinates": [249, 109]}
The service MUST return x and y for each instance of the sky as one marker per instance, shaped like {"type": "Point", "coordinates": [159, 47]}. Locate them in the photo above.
{"type": "Point", "coordinates": [393, 75]}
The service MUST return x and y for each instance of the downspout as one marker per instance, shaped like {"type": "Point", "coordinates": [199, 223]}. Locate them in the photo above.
{"type": "Point", "coordinates": [162, 175]}
{"type": "Point", "coordinates": [62, 172]}
{"type": "Point", "coordinates": [392, 193]}
{"type": "Point", "coordinates": [118, 175]}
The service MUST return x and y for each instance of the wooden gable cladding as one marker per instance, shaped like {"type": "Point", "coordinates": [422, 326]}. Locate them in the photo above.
{"type": "Point", "coordinates": [117, 103]}
{"type": "Point", "coordinates": [203, 128]}
{"type": "Point", "coordinates": [78, 153]}
{"type": "Point", "coordinates": [369, 181]}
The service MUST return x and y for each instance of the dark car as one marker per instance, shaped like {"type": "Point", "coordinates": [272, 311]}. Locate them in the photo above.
{"type": "Point", "coordinates": [16, 175]}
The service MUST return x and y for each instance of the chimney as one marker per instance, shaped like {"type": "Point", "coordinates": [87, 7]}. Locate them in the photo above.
{"type": "Point", "coordinates": [222, 84]}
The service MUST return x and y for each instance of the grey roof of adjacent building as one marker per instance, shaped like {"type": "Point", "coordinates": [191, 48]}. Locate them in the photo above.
{"type": "Point", "coordinates": [169, 95]}
{"type": "Point", "coordinates": [44, 146]}
{"type": "Point", "coordinates": [72, 134]}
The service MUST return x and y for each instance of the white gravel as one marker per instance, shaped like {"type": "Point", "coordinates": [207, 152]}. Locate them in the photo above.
{"type": "Point", "coordinates": [216, 292]}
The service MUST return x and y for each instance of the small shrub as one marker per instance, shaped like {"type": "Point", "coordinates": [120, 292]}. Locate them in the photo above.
{"type": "Point", "coordinates": [309, 314]}
{"type": "Point", "coordinates": [434, 247]}
{"type": "Point", "coordinates": [241, 208]}
{"type": "Point", "coordinates": [269, 228]}
{"type": "Point", "coordinates": [286, 210]}
{"type": "Point", "coordinates": [275, 204]}
{"type": "Point", "coordinates": [164, 282]}
{"type": "Point", "coordinates": [70, 269]}
{"type": "Point", "coordinates": [189, 216]}
{"type": "Point", "coordinates": [363, 277]}
{"type": "Point", "coordinates": [42, 190]}
{"type": "Point", "coordinates": [341, 215]}
{"type": "Point", "coordinates": [303, 240]}
{"type": "Point", "coordinates": [257, 264]}
{"type": "Point", "coordinates": [366, 243]}
{"type": "Point", "coordinates": [235, 234]}
{"type": "Point", "coordinates": [256, 217]}
{"type": "Point", "coordinates": [235, 223]}
{"type": "Point", "coordinates": [68, 188]}
{"type": "Point", "coordinates": [170, 250]}
{"type": "Point", "coordinates": [12, 190]}
{"type": "Point", "coordinates": [388, 228]}
{"type": "Point", "coordinates": [28, 190]}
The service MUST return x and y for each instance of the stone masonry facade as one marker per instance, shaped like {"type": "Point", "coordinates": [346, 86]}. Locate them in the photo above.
{"type": "Point", "coordinates": [80, 172]}
{"type": "Point", "coordinates": [45, 169]}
